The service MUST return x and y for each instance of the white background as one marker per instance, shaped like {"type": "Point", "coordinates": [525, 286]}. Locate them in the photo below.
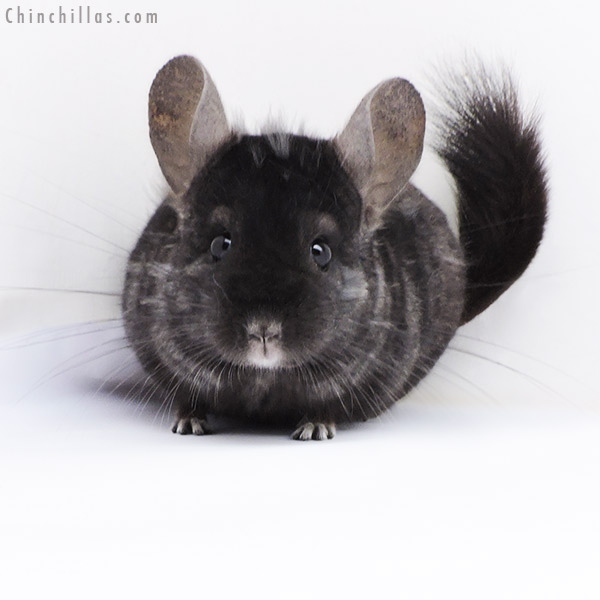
{"type": "Point", "coordinates": [484, 483]}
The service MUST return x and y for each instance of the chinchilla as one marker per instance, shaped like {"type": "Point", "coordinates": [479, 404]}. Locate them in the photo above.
{"type": "Point", "coordinates": [304, 281]}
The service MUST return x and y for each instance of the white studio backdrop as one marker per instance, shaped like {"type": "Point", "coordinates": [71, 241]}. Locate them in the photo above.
{"type": "Point", "coordinates": [483, 483]}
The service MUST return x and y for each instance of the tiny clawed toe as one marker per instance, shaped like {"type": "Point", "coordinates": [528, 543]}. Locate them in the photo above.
{"type": "Point", "coordinates": [314, 431]}
{"type": "Point", "coordinates": [190, 425]}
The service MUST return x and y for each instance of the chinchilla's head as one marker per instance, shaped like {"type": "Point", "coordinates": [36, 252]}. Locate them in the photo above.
{"type": "Point", "coordinates": [260, 256]}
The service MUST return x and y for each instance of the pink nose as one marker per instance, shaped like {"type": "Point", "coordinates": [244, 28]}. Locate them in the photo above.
{"type": "Point", "coordinates": [264, 330]}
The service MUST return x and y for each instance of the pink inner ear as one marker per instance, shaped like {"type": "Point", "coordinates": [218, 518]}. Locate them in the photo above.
{"type": "Point", "coordinates": [186, 118]}
{"type": "Point", "coordinates": [382, 144]}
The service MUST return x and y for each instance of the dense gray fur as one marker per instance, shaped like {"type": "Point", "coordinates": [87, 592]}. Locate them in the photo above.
{"type": "Point", "coordinates": [263, 332]}
{"type": "Point", "coordinates": [398, 308]}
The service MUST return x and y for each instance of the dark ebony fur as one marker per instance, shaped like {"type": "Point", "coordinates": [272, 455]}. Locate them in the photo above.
{"type": "Point", "coordinates": [359, 335]}
{"type": "Point", "coordinates": [496, 160]}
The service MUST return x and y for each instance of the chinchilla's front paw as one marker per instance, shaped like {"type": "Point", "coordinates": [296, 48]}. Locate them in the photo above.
{"type": "Point", "coordinates": [314, 431]}
{"type": "Point", "coordinates": [187, 425]}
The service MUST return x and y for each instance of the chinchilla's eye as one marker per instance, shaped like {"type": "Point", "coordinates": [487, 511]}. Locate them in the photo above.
{"type": "Point", "coordinates": [321, 253]}
{"type": "Point", "coordinates": [220, 245]}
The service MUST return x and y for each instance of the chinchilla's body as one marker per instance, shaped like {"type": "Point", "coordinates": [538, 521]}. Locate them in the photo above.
{"type": "Point", "coordinates": [303, 281]}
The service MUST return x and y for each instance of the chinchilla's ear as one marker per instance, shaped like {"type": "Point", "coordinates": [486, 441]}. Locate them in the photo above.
{"type": "Point", "coordinates": [382, 143]}
{"type": "Point", "coordinates": [187, 120]}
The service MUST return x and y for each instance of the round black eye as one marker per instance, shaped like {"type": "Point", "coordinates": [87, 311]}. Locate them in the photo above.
{"type": "Point", "coordinates": [220, 245]}
{"type": "Point", "coordinates": [321, 253]}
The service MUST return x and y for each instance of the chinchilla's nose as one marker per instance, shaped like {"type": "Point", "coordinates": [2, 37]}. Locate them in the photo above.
{"type": "Point", "coordinates": [263, 329]}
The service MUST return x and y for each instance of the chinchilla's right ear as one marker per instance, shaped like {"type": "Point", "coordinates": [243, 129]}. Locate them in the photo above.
{"type": "Point", "coordinates": [187, 120]}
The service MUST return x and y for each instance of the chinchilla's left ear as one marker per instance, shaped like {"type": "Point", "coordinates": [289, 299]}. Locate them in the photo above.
{"type": "Point", "coordinates": [187, 120]}
{"type": "Point", "coordinates": [382, 143]}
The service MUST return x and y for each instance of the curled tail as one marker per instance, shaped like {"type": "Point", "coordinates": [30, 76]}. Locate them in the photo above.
{"type": "Point", "coordinates": [494, 155]}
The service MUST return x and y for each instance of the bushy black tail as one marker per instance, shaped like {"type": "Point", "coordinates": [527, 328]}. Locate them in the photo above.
{"type": "Point", "coordinates": [494, 154]}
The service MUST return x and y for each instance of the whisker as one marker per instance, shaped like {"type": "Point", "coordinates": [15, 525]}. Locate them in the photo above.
{"type": "Point", "coordinates": [32, 339]}
{"type": "Point", "coordinates": [529, 357]}
{"type": "Point", "coordinates": [51, 374]}
{"type": "Point", "coordinates": [481, 390]}
{"type": "Point", "coordinates": [91, 206]}
{"type": "Point", "coordinates": [532, 379]}
{"type": "Point", "coordinates": [102, 386]}
{"type": "Point", "coordinates": [58, 218]}
{"type": "Point", "coordinates": [57, 339]}
{"type": "Point", "coordinates": [6, 288]}
{"type": "Point", "coordinates": [65, 239]}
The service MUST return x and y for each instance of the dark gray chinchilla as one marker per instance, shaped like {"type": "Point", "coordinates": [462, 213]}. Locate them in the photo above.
{"type": "Point", "coordinates": [302, 281]}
